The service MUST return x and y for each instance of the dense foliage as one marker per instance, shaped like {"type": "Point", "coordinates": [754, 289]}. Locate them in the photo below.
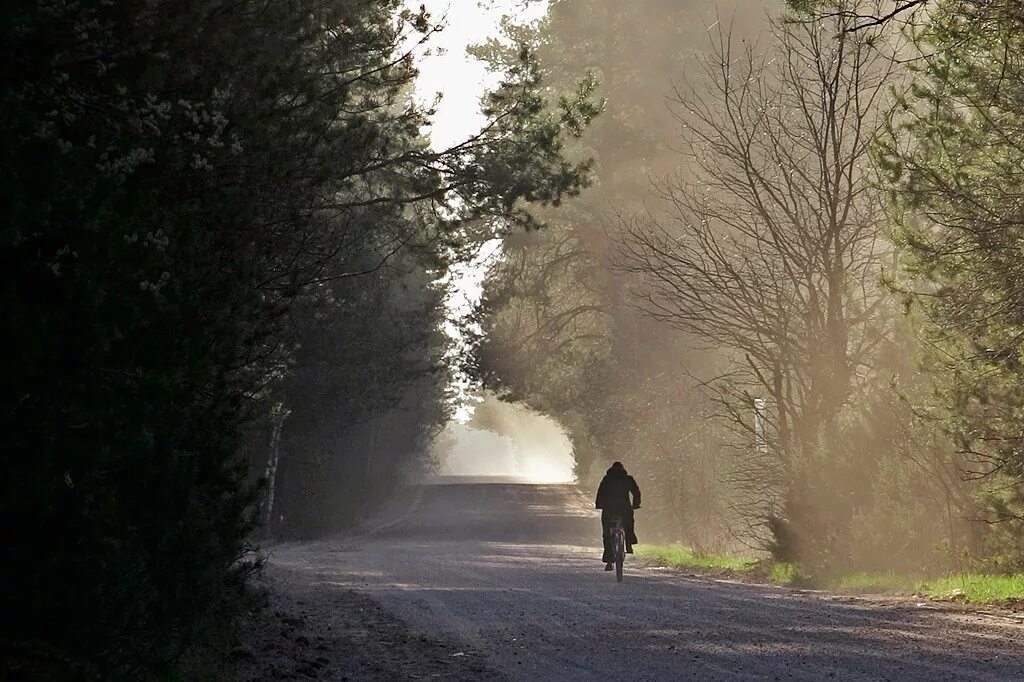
{"type": "Point", "coordinates": [953, 154]}
{"type": "Point", "coordinates": [206, 204]}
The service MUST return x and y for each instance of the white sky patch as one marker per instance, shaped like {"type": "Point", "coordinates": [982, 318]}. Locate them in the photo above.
{"type": "Point", "coordinates": [459, 78]}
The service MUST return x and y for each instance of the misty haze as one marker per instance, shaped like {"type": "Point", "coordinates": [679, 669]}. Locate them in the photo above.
{"type": "Point", "coordinates": [513, 340]}
{"type": "Point", "coordinates": [505, 440]}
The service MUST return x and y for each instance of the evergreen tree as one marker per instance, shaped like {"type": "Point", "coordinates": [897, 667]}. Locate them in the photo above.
{"type": "Point", "coordinates": [953, 154]}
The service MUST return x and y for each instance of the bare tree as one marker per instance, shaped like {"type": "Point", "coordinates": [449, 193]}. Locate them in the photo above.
{"type": "Point", "coordinates": [769, 246]}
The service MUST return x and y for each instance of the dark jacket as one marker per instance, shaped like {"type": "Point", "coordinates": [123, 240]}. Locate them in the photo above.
{"type": "Point", "coordinates": [615, 490]}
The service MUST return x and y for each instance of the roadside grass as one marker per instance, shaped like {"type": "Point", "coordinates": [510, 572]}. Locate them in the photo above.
{"type": "Point", "coordinates": [972, 588]}
{"type": "Point", "coordinates": [875, 582]}
{"type": "Point", "coordinates": [786, 574]}
{"type": "Point", "coordinates": [680, 556]}
{"type": "Point", "coordinates": [976, 588]}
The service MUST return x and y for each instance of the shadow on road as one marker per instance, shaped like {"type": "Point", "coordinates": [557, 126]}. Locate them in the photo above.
{"type": "Point", "coordinates": [512, 573]}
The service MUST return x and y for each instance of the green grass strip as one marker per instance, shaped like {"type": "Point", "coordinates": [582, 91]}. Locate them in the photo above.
{"type": "Point", "coordinates": [680, 556]}
{"type": "Point", "coordinates": [786, 574]}
{"type": "Point", "coordinates": [976, 588]}
{"type": "Point", "coordinates": [973, 588]}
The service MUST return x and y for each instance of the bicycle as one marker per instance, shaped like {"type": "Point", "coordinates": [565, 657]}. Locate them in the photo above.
{"type": "Point", "coordinates": [618, 547]}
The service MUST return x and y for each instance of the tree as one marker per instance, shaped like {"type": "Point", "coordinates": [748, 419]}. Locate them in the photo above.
{"type": "Point", "coordinates": [771, 249]}
{"type": "Point", "coordinates": [365, 395]}
{"type": "Point", "coordinates": [952, 153]}
{"type": "Point", "coordinates": [175, 177]}
{"type": "Point", "coordinates": [361, 426]}
{"type": "Point", "coordinates": [858, 18]}
{"type": "Point", "coordinates": [541, 298]}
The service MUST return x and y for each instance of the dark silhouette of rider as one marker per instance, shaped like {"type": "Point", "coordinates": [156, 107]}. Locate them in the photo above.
{"type": "Point", "coordinates": [613, 499]}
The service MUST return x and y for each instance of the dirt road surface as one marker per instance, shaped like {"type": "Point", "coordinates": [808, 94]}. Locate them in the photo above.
{"type": "Point", "coordinates": [498, 580]}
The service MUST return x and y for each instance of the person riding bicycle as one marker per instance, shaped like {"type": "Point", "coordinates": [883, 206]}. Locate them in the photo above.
{"type": "Point", "coordinates": [613, 499]}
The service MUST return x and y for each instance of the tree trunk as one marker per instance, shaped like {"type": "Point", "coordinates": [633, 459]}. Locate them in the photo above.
{"type": "Point", "coordinates": [278, 415]}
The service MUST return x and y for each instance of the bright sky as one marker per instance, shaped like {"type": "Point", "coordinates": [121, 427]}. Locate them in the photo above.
{"type": "Point", "coordinates": [461, 79]}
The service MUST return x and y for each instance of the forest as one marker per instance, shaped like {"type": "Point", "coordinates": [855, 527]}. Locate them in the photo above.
{"type": "Point", "coordinates": [791, 298]}
{"type": "Point", "coordinates": [771, 257]}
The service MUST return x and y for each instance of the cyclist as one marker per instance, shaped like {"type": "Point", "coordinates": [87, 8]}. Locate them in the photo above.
{"type": "Point", "coordinates": [613, 499]}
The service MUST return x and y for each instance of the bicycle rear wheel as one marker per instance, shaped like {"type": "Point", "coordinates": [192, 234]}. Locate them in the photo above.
{"type": "Point", "coordinates": [620, 553]}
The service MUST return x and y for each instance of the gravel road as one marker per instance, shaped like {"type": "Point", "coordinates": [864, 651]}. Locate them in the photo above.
{"type": "Point", "coordinates": [505, 580]}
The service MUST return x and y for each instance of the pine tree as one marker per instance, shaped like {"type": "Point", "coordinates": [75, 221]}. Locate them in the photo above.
{"type": "Point", "coordinates": [954, 157]}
